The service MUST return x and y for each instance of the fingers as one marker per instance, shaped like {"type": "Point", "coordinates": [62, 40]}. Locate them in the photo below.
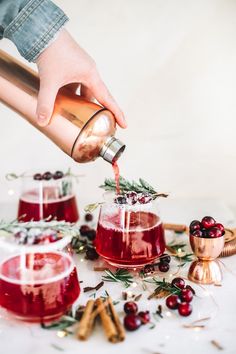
{"type": "Point", "coordinates": [102, 95]}
{"type": "Point", "coordinates": [86, 93]}
{"type": "Point", "coordinates": [46, 99]}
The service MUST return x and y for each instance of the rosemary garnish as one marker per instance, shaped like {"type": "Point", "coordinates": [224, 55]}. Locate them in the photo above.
{"type": "Point", "coordinates": [120, 275]}
{"type": "Point", "coordinates": [126, 186]}
{"type": "Point", "coordinates": [178, 252]}
{"type": "Point", "coordinates": [62, 324]}
{"type": "Point", "coordinates": [164, 288]}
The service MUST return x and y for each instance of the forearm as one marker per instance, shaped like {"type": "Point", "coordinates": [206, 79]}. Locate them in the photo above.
{"type": "Point", "coordinates": [30, 24]}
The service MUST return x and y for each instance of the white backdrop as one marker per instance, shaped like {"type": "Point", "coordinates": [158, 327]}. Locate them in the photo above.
{"type": "Point", "coordinates": [172, 67]}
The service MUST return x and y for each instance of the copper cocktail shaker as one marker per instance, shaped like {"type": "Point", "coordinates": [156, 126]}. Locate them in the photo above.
{"type": "Point", "coordinates": [82, 129]}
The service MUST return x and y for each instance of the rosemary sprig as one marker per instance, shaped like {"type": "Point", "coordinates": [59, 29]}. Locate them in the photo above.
{"type": "Point", "coordinates": [178, 252]}
{"type": "Point", "coordinates": [120, 275]}
{"type": "Point", "coordinates": [163, 287]}
{"type": "Point", "coordinates": [62, 324]}
{"type": "Point", "coordinates": [125, 186]}
{"type": "Point", "coordinates": [65, 228]}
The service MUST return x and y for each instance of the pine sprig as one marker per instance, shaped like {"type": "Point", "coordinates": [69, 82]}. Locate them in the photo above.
{"type": "Point", "coordinates": [126, 186]}
{"type": "Point", "coordinates": [119, 276]}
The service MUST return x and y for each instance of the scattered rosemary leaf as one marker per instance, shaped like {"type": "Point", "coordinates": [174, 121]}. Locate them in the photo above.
{"type": "Point", "coordinates": [152, 325]}
{"type": "Point", "coordinates": [62, 324]}
{"type": "Point", "coordinates": [216, 344]}
{"type": "Point", "coordinates": [119, 276]}
{"type": "Point", "coordinates": [57, 347]}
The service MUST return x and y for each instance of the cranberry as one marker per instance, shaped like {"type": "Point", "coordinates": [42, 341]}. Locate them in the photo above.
{"type": "Point", "coordinates": [172, 302]}
{"type": "Point", "coordinates": [91, 234]}
{"type": "Point", "coordinates": [204, 233]}
{"type": "Point", "coordinates": [178, 282]}
{"type": "Point", "coordinates": [144, 198]}
{"type": "Point", "coordinates": [130, 307]}
{"type": "Point", "coordinates": [185, 309]}
{"type": "Point", "coordinates": [144, 316]}
{"type": "Point", "coordinates": [132, 322]}
{"type": "Point", "coordinates": [148, 268]}
{"type": "Point", "coordinates": [197, 233]}
{"type": "Point", "coordinates": [164, 267]}
{"type": "Point", "coordinates": [186, 295]}
{"type": "Point", "coordinates": [165, 258]}
{"type": "Point", "coordinates": [220, 227]}
{"type": "Point", "coordinates": [47, 176]}
{"type": "Point", "coordinates": [120, 199]}
{"type": "Point", "coordinates": [208, 222]}
{"type": "Point", "coordinates": [37, 177]}
{"type": "Point", "coordinates": [131, 197]}
{"type": "Point", "coordinates": [214, 232]}
{"type": "Point", "coordinates": [84, 229]}
{"type": "Point", "coordinates": [195, 225]}
{"type": "Point", "coordinates": [88, 217]}
{"type": "Point", "coordinates": [91, 254]}
{"type": "Point", "coordinates": [190, 288]}
{"type": "Point", "coordinates": [58, 175]}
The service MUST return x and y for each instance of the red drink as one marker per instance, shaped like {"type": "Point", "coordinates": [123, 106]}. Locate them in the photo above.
{"type": "Point", "coordinates": [38, 287]}
{"type": "Point", "coordinates": [131, 240]}
{"type": "Point", "coordinates": [116, 171]}
{"type": "Point", "coordinates": [32, 207]}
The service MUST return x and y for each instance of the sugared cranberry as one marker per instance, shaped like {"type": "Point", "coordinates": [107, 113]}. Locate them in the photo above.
{"type": "Point", "coordinates": [148, 268]}
{"type": "Point", "coordinates": [88, 217]}
{"type": "Point", "coordinates": [130, 307]}
{"type": "Point", "coordinates": [144, 198]}
{"type": "Point", "coordinates": [220, 227]}
{"type": "Point", "coordinates": [91, 254]}
{"type": "Point", "coordinates": [144, 316]}
{"type": "Point", "coordinates": [47, 176]}
{"type": "Point", "coordinates": [121, 199]}
{"type": "Point", "coordinates": [208, 222]}
{"type": "Point", "coordinates": [84, 229]}
{"type": "Point", "coordinates": [165, 258]}
{"type": "Point", "coordinates": [186, 295]}
{"type": "Point", "coordinates": [172, 302]}
{"type": "Point", "coordinates": [195, 225]}
{"type": "Point", "coordinates": [91, 234]}
{"type": "Point", "coordinates": [178, 282]}
{"type": "Point", "coordinates": [185, 309]}
{"type": "Point", "coordinates": [58, 175]}
{"type": "Point", "coordinates": [37, 177]}
{"type": "Point", "coordinates": [163, 267]}
{"type": "Point", "coordinates": [214, 232]}
{"type": "Point", "coordinates": [132, 322]}
{"type": "Point", "coordinates": [131, 197]}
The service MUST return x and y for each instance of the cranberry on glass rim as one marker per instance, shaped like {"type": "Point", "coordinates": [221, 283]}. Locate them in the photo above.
{"type": "Point", "coordinates": [38, 282]}
{"type": "Point", "coordinates": [129, 234]}
{"type": "Point", "coordinates": [48, 196]}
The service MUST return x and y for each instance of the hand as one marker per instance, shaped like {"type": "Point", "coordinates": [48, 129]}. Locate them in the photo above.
{"type": "Point", "coordinates": [64, 62]}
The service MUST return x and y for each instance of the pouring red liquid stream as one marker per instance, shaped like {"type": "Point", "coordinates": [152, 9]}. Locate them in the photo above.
{"type": "Point", "coordinates": [117, 176]}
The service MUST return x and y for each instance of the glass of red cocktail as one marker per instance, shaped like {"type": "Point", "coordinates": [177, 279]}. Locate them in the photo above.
{"type": "Point", "coordinates": [48, 196]}
{"type": "Point", "coordinates": [130, 235]}
{"type": "Point", "coordinates": [38, 278]}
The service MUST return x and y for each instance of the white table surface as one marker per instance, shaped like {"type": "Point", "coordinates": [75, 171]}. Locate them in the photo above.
{"type": "Point", "coordinates": [169, 336]}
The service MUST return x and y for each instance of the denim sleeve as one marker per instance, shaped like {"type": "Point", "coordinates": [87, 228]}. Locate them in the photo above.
{"type": "Point", "coordinates": [30, 24]}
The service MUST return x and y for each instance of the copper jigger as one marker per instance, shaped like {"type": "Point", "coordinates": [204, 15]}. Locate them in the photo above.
{"type": "Point", "coordinates": [206, 270]}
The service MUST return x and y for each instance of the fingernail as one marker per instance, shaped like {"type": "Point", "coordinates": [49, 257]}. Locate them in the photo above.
{"type": "Point", "coordinates": [42, 119]}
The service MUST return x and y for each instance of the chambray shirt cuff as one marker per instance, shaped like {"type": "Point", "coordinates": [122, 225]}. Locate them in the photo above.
{"type": "Point", "coordinates": [34, 27]}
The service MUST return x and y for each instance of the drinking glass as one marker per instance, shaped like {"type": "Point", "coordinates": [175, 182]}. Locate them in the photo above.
{"type": "Point", "coordinates": [129, 236]}
{"type": "Point", "coordinates": [38, 282]}
{"type": "Point", "coordinates": [48, 199]}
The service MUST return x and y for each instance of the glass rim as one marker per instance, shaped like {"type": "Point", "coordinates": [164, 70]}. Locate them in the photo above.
{"type": "Point", "coordinates": [43, 248]}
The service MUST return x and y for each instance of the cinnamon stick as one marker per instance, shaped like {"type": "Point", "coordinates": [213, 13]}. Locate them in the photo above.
{"type": "Point", "coordinates": [87, 321]}
{"type": "Point", "coordinates": [113, 328]}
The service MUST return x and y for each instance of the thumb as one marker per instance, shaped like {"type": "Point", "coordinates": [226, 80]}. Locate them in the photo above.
{"type": "Point", "coordinates": [46, 99]}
